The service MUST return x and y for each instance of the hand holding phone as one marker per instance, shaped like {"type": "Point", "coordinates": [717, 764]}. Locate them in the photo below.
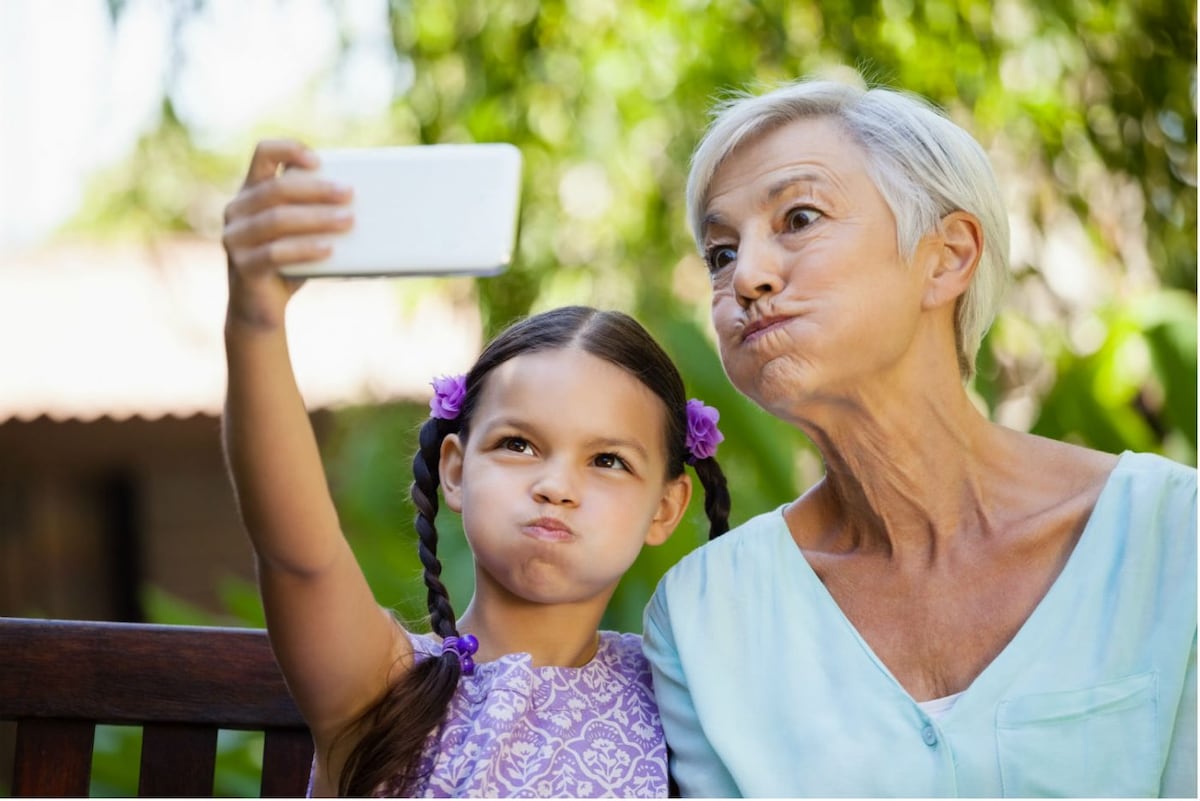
{"type": "Point", "coordinates": [423, 210]}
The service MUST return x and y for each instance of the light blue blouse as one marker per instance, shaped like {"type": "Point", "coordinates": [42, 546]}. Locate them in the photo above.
{"type": "Point", "coordinates": [766, 689]}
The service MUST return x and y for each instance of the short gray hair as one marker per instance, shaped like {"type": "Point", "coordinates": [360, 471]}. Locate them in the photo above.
{"type": "Point", "coordinates": [924, 165]}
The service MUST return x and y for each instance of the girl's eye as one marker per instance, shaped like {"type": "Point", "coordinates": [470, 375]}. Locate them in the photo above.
{"type": "Point", "coordinates": [801, 217]}
{"type": "Point", "coordinates": [515, 444]}
{"type": "Point", "coordinates": [719, 256]}
{"type": "Point", "coordinates": [610, 461]}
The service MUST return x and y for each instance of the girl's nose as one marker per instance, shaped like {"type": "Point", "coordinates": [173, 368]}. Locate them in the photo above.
{"type": "Point", "coordinates": [555, 485]}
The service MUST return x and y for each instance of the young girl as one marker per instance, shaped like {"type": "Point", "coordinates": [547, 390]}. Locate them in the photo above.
{"type": "Point", "coordinates": [563, 449]}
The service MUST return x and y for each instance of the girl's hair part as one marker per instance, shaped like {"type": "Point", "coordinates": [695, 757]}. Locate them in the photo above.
{"type": "Point", "coordinates": [394, 731]}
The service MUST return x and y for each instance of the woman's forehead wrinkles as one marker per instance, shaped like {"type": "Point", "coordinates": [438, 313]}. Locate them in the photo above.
{"type": "Point", "coordinates": [786, 182]}
{"type": "Point", "coordinates": [806, 175]}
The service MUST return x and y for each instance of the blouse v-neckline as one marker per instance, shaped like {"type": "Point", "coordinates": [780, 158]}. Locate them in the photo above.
{"type": "Point", "coordinates": [1039, 624]}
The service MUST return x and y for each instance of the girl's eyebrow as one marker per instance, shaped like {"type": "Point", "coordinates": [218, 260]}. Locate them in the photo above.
{"type": "Point", "coordinates": [609, 443]}
{"type": "Point", "coordinates": [516, 423]}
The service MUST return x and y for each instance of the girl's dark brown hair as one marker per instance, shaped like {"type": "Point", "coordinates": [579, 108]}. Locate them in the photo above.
{"type": "Point", "coordinates": [394, 730]}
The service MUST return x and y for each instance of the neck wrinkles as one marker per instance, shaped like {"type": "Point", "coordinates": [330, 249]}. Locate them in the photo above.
{"type": "Point", "coordinates": [904, 476]}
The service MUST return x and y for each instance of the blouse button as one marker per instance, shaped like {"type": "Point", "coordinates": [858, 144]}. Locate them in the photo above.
{"type": "Point", "coordinates": [929, 736]}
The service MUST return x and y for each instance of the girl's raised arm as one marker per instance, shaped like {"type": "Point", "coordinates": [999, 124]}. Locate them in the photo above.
{"type": "Point", "coordinates": [337, 648]}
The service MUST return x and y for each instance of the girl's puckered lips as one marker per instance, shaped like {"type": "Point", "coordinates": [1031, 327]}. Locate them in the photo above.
{"type": "Point", "coordinates": [548, 529]}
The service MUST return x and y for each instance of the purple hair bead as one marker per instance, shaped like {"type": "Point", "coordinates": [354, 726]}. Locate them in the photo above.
{"type": "Point", "coordinates": [462, 647]}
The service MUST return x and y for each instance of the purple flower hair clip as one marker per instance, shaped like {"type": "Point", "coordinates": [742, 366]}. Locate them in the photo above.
{"type": "Point", "coordinates": [703, 436]}
{"type": "Point", "coordinates": [448, 394]}
{"type": "Point", "coordinates": [462, 647]}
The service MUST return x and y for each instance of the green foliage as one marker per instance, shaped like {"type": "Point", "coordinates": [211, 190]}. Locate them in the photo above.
{"type": "Point", "coordinates": [118, 751]}
{"type": "Point", "coordinates": [1137, 391]}
{"type": "Point", "coordinates": [115, 756]}
{"type": "Point", "coordinates": [167, 186]}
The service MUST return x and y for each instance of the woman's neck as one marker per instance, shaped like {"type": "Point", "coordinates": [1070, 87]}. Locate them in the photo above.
{"type": "Point", "coordinates": [904, 472]}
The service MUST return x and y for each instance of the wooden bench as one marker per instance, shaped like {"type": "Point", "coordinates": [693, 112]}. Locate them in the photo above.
{"type": "Point", "coordinates": [60, 678]}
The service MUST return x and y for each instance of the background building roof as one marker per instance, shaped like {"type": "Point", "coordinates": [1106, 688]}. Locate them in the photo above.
{"type": "Point", "coordinates": [90, 330]}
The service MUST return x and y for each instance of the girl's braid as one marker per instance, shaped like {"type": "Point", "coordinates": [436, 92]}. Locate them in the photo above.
{"type": "Point", "coordinates": [716, 495]}
{"type": "Point", "coordinates": [424, 494]}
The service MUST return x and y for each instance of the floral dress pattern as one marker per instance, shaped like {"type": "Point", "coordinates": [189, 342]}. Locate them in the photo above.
{"type": "Point", "coordinates": [515, 730]}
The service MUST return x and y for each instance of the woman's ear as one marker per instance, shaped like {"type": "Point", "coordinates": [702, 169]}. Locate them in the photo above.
{"type": "Point", "coordinates": [671, 506]}
{"type": "Point", "coordinates": [450, 471]}
{"type": "Point", "coordinates": [956, 247]}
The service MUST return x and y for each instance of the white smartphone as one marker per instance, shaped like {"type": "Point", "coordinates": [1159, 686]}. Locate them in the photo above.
{"type": "Point", "coordinates": [423, 210]}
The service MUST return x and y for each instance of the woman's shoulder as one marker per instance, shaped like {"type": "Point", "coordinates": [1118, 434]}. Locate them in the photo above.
{"type": "Point", "coordinates": [1149, 486]}
{"type": "Point", "coordinates": [1068, 462]}
{"type": "Point", "coordinates": [1047, 476]}
{"type": "Point", "coordinates": [738, 553]}
{"type": "Point", "coordinates": [752, 536]}
{"type": "Point", "coordinates": [1151, 468]}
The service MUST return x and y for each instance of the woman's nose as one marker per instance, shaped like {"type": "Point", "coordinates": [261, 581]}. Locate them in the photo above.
{"type": "Point", "coordinates": [758, 270]}
{"type": "Point", "coordinates": [556, 485]}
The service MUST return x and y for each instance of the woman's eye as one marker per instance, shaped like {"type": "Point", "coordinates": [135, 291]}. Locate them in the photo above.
{"type": "Point", "coordinates": [720, 256]}
{"type": "Point", "coordinates": [610, 461]}
{"type": "Point", "coordinates": [801, 217]}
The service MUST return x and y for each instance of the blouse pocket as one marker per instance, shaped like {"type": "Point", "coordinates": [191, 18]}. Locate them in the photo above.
{"type": "Point", "coordinates": [1099, 741]}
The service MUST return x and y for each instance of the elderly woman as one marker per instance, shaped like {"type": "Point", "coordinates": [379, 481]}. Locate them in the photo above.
{"type": "Point", "coordinates": [955, 608]}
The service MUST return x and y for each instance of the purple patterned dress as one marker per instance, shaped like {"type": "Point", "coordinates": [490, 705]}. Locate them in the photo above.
{"type": "Point", "coordinates": [518, 731]}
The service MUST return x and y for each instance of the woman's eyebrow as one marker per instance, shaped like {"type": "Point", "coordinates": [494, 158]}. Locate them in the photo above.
{"type": "Point", "coordinates": [788, 181]}
{"type": "Point", "coordinates": [773, 192]}
{"type": "Point", "coordinates": [709, 221]}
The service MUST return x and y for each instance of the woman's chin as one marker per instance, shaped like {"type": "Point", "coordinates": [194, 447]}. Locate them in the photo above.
{"type": "Point", "coordinates": [777, 387]}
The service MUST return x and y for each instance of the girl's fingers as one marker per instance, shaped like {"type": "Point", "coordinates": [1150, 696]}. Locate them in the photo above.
{"type": "Point", "coordinates": [271, 154]}
{"type": "Point", "coordinates": [268, 257]}
{"type": "Point", "coordinates": [292, 187]}
{"type": "Point", "coordinates": [278, 222]}
{"type": "Point", "coordinates": [283, 216]}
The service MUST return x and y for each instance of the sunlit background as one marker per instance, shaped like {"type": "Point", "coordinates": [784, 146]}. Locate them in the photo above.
{"type": "Point", "coordinates": [125, 127]}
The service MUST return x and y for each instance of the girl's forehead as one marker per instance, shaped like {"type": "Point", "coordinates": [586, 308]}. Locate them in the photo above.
{"type": "Point", "coordinates": [561, 370]}
{"type": "Point", "coordinates": [569, 384]}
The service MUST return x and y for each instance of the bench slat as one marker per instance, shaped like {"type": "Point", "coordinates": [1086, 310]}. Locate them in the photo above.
{"type": "Point", "coordinates": [53, 758]}
{"type": "Point", "coordinates": [59, 678]}
{"type": "Point", "coordinates": [177, 760]}
{"type": "Point", "coordinates": [287, 762]}
{"type": "Point", "coordinates": [129, 673]}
